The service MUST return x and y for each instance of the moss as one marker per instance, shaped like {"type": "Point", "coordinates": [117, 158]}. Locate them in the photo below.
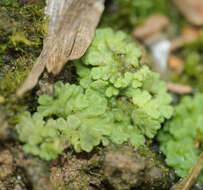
{"type": "Point", "coordinates": [14, 78]}
{"type": "Point", "coordinates": [22, 28]}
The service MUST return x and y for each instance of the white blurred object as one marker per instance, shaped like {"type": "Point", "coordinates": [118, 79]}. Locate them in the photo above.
{"type": "Point", "coordinates": [160, 51]}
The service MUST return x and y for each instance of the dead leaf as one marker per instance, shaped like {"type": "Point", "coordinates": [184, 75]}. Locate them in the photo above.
{"type": "Point", "coordinates": [179, 88]}
{"type": "Point", "coordinates": [189, 34]}
{"type": "Point", "coordinates": [192, 10]}
{"type": "Point", "coordinates": [70, 31]}
{"type": "Point", "coordinates": [154, 24]}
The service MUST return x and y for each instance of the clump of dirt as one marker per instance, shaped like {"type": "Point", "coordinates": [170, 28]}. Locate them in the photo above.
{"type": "Point", "coordinates": [21, 172]}
{"type": "Point", "coordinates": [78, 171]}
{"type": "Point", "coordinates": [112, 168]}
{"type": "Point", "coordinates": [126, 167]}
{"type": "Point", "coordinates": [12, 176]}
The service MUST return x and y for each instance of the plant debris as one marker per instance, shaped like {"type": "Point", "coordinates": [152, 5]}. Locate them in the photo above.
{"type": "Point", "coordinates": [68, 36]}
{"type": "Point", "coordinates": [188, 35]}
{"type": "Point", "coordinates": [153, 24]}
{"type": "Point", "coordinates": [192, 10]}
{"type": "Point", "coordinates": [179, 88]}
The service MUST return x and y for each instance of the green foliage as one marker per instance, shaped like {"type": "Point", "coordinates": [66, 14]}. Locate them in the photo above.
{"type": "Point", "coordinates": [181, 138]}
{"type": "Point", "coordinates": [117, 101]}
{"type": "Point", "coordinates": [83, 119]}
{"type": "Point", "coordinates": [193, 65]}
{"type": "Point", "coordinates": [43, 139]}
{"type": "Point", "coordinates": [4, 2]}
{"type": "Point", "coordinates": [111, 66]}
{"type": "Point", "coordinates": [14, 78]}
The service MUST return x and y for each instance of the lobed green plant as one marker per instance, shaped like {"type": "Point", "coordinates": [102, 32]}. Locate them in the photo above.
{"type": "Point", "coordinates": [111, 65]}
{"type": "Point", "coordinates": [181, 138]}
{"type": "Point", "coordinates": [83, 119]}
{"type": "Point", "coordinates": [117, 100]}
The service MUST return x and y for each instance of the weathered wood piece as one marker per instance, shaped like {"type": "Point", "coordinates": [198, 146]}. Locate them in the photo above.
{"type": "Point", "coordinates": [70, 31]}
